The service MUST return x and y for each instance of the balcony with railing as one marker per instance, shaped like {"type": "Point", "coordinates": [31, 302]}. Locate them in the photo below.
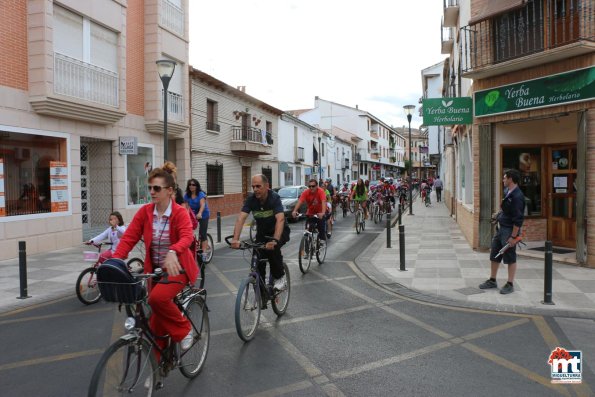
{"type": "Point", "coordinates": [81, 80]}
{"type": "Point", "coordinates": [81, 91]}
{"type": "Point", "coordinates": [175, 107]}
{"type": "Point", "coordinates": [447, 39]}
{"type": "Point", "coordinates": [538, 32]}
{"type": "Point", "coordinates": [172, 17]}
{"type": "Point", "coordinates": [299, 155]}
{"type": "Point", "coordinates": [211, 126]}
{"type": "Point", "coordinates": [451, 13]}
{"type": "Point", "coordinates": [345, 164]}
{"type": "Point", "coordinates": [251, 141]}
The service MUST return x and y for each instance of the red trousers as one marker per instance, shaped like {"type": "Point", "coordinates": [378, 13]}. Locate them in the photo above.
{"type": "Point", "coordinates": [167, 318]}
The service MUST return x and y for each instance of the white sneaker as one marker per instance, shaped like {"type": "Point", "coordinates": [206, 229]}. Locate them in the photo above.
{"type": "Point", "coordinates": [186, 343]}
{"type": "Point", "coordinates": [280, 284]}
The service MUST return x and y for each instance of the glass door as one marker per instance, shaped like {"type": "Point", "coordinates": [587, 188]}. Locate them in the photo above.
{"type": "Point", "coordinates": [562, 196]}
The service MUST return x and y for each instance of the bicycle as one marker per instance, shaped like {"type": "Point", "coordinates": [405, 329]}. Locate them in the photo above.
{"type": "Point", "coordinates": [129, 366]}
{"type": "Point", "coordinates": [426, 197]}
{"type": "Point", "coordinates": [200, 262]}
{"type": "Point", "coordinates": [210, 251]}
{"type": "Point", "coordinates": [344, 201]}
{"type": "Point", "coordinates": [360, 221]}
{"type": "Point", "coordinates": [377, 208]}
{"type": "Point", "coordinates": [254, 294]}
{"type": "Point", "coordinates": [86, 283]}
{"type": "Point", "coordinates": [311, 245]}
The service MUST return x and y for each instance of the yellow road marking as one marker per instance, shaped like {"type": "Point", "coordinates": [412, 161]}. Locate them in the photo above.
{"type": "Point", "coordinates": [55, 315]}
{"type": "Point", "coordinates": [50, 359]}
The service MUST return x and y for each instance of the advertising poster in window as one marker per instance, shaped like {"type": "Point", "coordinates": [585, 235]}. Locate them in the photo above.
{"type": "Point", "coordinates": [59, 186]}
{"type": "Point", "coordinates": [2, 197]}
{"type": "Point", "coordinates": [139, 167]}
{"type": "Point", "coordinates": [527, 160]}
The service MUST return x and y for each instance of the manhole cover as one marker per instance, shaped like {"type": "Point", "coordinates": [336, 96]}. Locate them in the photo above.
{"type": "Point", "coordinates": [470, 291]}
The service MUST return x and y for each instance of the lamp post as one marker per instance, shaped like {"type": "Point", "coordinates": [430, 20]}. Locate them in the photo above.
{"type": "Point", "coordinates": [319, 157]}
{"type": "Point", "coordinates": [165, 68]}
{"type": "Point", "coordinates": [409, 109]}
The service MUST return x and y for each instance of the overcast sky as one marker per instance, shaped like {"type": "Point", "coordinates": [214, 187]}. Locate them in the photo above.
{"type": "Point", "coordinates": [368, 53]}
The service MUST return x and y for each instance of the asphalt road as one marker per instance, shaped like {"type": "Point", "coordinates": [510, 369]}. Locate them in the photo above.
{"type": "Point", "coordinates": [342, 335]}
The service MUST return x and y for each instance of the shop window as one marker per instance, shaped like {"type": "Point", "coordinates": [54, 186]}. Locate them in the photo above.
{"type": "Point", "coordinates": [527, 160]}
{"type": "Point", "coordinates": [26, 163]}
{"type": "Point", "coordinates": [288, 177]}
{"type": "Point", "coordinates": [138, 168]}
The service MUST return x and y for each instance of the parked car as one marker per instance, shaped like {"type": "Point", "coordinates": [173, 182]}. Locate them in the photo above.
{"type": "Point", "coordinates": [289, 197]}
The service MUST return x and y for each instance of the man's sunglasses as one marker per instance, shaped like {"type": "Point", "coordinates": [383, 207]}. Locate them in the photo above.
{"type": "Point", "coordinates": [311, 186]}
{"type": "Point", "coordinates": [156, 188]}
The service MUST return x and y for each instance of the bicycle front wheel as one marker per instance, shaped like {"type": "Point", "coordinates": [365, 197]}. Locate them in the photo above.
{"type": "Point", "coordinates": [247, 313]}
{"type": "Point", "coordinates": [210, 250]}
{"type": "Point", "coordinates": [305, 254]}
{"type": "Point", "coordinates": [127, 368]}
{"type": "Point", "coordinates": [358, 225]}
{"type": "Point", "coordinates": [87, 289]}
{"type": "Point", "coordinates": [344, 206]}
{"type": "Point", "coordinates": [193, 359]}
{"type": "Point", "coordinates": [280, 299]}
{"type": "Point", "coordinates": [352, 206]}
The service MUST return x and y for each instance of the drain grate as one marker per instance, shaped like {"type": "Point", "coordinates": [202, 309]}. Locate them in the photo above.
{"type": "Point", "coordinates": [470, 291]}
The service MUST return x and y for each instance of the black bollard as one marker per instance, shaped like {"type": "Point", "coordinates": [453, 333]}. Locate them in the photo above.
{"type": "Point", "coordinates": [402, 247]}
{"type": "Point", "coordinates": [547, 277]}
{"type": "Point", "coordinates": [400, 212]}
{"type": "Point", "coordinates": [23, 270]}
{"type": "Point", "coordinates": [218, 226]}
{"type": "Point", "coordinates": [388, 245]}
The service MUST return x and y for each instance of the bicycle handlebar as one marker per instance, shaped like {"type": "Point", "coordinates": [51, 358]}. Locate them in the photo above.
{"type": "Point", "coordinates": [248, 244]}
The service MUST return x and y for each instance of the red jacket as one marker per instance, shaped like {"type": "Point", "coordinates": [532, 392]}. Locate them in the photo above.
{"type": "Point", "coordinates": [180, 233]}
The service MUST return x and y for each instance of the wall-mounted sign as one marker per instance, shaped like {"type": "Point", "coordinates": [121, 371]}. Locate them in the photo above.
{"type": "Point", "coordinates": [575, 86]}
{"type": "Point", "coordinates": [448, 111]}
{"type": "Point", "coordinates": [128, 145]}
{"type": "Point", "coordinates": [59, 186]}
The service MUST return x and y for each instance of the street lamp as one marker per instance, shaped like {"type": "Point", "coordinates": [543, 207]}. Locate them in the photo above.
{"type": "Point", "coordinates": [319, 158]}
{"type": "Point", "coordinates": [165, 68]}
{"type": "Point", "coordinates": [409, 109]}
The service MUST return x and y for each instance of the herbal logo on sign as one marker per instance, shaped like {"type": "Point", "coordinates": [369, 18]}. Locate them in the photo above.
{"type": "Point", "coordinates": [566, 365]}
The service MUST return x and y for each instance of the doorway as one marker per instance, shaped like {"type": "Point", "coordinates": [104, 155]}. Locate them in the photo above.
{"type": "Point", "coordinates": [561, 195]}
{"type": "Point", "coordinates": [246, 180]}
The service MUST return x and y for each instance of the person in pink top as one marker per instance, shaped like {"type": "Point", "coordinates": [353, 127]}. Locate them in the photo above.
{"type": "Point", "coordinates": [166, 229]}
{"type": "Point", "coordinates": [315, 199]}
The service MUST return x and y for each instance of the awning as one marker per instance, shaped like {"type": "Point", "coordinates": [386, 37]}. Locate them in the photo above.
{"type": "Point", "coordinates": [488, 9]}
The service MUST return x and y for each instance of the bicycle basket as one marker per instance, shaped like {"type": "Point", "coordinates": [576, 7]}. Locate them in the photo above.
{"type": "Point", "coordinates": [117, 284]}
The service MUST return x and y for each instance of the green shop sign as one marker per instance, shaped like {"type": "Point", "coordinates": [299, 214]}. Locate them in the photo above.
{"type": "Point", "coordinates": [563, 88]}
{"type": "Point", "coordinates": [448, 111]}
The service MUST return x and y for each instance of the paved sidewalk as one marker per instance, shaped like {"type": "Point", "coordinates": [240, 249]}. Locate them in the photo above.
{"type": "Point", "coordinates": [53, 275]}
{"type": "Point", "coordinates": [442, 268]}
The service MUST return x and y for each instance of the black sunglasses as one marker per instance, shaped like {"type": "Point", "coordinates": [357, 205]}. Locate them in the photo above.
{"type": "Point", "coordinates": [156, 188]}
{"type": "Point", "coordinates": [192, 184]}
{"type": "Point", "coordinates": [311, 186]}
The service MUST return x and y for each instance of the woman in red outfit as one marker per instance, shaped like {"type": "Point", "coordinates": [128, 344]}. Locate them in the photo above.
{"type": "Point", "coordinates": [166, 229]}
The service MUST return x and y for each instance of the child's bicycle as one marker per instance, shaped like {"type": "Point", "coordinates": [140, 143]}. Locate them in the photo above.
{"type": "Point", "coordinates": [86, 287]}
{"type": "Point", "coordinates": [130, 366]}
{"type": "Point", "coordinates": [254, 293]}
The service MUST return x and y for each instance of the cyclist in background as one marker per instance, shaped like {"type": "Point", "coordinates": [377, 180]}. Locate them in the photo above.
{"type": "Point", "coordinates": [359, 193]}
{"type": "Point", "coordinates": [315, 199]}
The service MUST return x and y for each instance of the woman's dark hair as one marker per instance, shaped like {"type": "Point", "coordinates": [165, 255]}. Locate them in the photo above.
{"type": "Point", "coordinates": [119, 216]}
{"type": "Point", "coordinates": [167, 171]}
{"type": "Point", "coordinates": [360, 188]}
{"type": "Point", "coordinates": [198, 188]}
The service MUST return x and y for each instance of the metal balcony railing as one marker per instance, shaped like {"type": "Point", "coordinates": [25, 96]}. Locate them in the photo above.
{"type": "Point", "coordinates": [251, 134]}
{"type": "Point", "coordinates": [82, 80]}
{"type": "Point", "coordinates": [172, 17]}
{"type": "Point", "coordinates": [213, 126]}
{"type": "Point", "coordinates": [345, 164]}
{"type": "Point", "coordinates": [299, 154]}
{"type": "Point", "coordinates": [175, 106]}
{"type": "Point", "coordinates": [536, 27]}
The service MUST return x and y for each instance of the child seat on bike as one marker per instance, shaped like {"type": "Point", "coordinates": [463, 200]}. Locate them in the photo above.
{"type": "Point", "coordinates": [117, 284]}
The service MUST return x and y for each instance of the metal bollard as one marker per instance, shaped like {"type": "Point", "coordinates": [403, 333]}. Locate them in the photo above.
{"type": "Point", "coordinates": [218, 226]}
{"type": "Point", "coordinates": [402, 247]}
{"type": "Point", "coordinates": [388, 244]}
{"type": "Point", "coordinates": [23, 270]}
{"type": "Point", "coordinates": [547, 277]}
{"type": "Point", "coordinates": [400, 213]}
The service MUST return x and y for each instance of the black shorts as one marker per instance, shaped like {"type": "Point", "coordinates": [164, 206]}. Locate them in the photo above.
{"type": "Point", "coordinates": [499, 241]}
{"type": "Point", "coordinates": [203, 225]}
